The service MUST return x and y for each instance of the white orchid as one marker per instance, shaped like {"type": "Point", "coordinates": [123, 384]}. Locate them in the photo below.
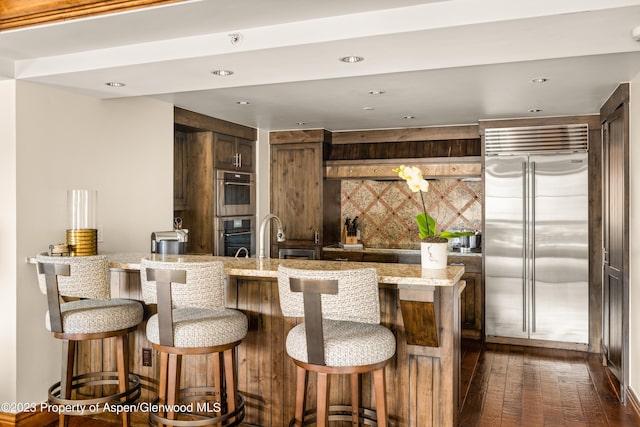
{"type": "Point", "coordinates": [414, 178]}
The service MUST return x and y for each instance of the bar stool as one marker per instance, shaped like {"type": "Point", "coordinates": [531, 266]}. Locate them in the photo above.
{"type": "Point", "coordinates": [91, 315]}
{"type": "Point", "coordinates": [341, 334]}
{"type": "Point", "coordinates": [192, 319]}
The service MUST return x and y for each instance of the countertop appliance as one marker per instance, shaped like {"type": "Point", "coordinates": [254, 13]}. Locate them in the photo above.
{"type": "Point", "coordinates": [536, 234]}
{"type": "Point", "coordinates": [169, 242]}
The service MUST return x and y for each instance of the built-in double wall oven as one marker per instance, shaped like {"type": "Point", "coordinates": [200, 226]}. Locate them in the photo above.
{"type": "Point", "coordinates": [234, 226]}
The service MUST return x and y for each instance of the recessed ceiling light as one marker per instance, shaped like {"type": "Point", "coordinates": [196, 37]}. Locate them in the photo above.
{"type": "Point", "coordinates": [115, 84]}
{"type": "Point", "coordinates": [540, 80]}
{"type": "Point", "coordinates": [243, 102]}
{"type": "Point", "coordinates": [368, 108]}
{"type": "Point", "coordinates": [376, 92]}
{"type": "Point", "coordinates": [352, 59]}
{"type": "Point", "coordinates": [301, 123]}
{"type": "Point", "coordinates": [222, 72]}
{"type": "Point", "coordinates": [408, 117]}
{"type": "Point", "coordinates": [535, 110]}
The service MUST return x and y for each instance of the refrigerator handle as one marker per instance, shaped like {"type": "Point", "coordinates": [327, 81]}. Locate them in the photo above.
{"type": "Point", "coordinates": [533, 247]}
{"type": "Point", "coordinates": [525, 192]}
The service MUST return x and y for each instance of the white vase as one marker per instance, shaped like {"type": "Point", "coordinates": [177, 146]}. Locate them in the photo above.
{"type": "Point", "coordinates": [433, 255]}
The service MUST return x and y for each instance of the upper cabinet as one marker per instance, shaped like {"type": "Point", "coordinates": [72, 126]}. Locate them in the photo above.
{"type": "Point", "coordinates": [234, 153]}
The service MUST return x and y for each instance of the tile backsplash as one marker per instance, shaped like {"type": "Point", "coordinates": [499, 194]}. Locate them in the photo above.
{"type": "Point", "coordinates": [386, 210]}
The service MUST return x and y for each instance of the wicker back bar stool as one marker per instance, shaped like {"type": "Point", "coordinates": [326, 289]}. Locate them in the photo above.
{"type": "Point", "coordinates": [90, 315]}
{"type": "Point", "coordinates": [192, 319]}
{"type": "Point", "coordinates": [341, 334]}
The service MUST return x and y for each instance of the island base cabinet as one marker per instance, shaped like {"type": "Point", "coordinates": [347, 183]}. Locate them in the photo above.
{"type": "Point", "coordinates": [422, 382]}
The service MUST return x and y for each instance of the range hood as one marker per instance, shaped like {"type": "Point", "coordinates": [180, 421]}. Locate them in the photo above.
{"type": "Point", "coordinates": [381, 169]}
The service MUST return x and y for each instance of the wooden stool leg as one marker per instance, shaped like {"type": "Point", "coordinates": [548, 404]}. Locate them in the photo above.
{"type": "Point", "coordinates": [66, 380]}
{"type": "Point", "coordinates": [381, 398]}
{"type": "Point", "coordinates": [323, 399]}
{"type": "Point", "coordinates": [173, 383]}
{"type": "Point", "coordinates": [301, 395]}
{"type": "Point", "coordinates": [355, 399]}
{"type": "Point", "coordinates": [230, 379]}
{"type": "Point", "coordinates": [217, 381]}
{"type": "Point", "coordinates": [122, 358]}
{"type": "Point", "coordinates": [162, 382]}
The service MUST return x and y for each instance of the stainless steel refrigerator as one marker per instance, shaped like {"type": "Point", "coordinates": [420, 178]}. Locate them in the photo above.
{"type": "Point", "coordinates": [536, 235]}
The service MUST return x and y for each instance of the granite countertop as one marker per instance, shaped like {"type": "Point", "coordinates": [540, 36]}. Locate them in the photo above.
{"type": "Point", "coordinates": [404, 251]}
{"type": "Point", "coordinates": [403, 275]}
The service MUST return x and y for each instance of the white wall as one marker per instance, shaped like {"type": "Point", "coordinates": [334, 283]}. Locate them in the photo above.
{"type": "Point", "coordinates": [634, 231]}
{"type": "Point", "coordinates": [121, 148]}
{"type": "Point", "coordinates": [8, 282]}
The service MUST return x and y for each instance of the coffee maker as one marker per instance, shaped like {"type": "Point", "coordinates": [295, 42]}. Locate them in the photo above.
{"type": "Point", "coordinates": [169, 242]}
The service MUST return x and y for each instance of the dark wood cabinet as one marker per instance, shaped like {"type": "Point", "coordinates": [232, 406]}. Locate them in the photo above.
{"type": "Point", "coordinates": [615, 224]}
{"type": "Point", "coordinates": [472, 298]}
{"type": "Point", "coordinates": [233, 153]}
{"type": "Point", "coordinates": [304, 201]}
{"type": "Point", "coordinates": [199, 143]}
{"type": "Point", "coordinates": [472, 303]}
{"type": "Point", "coordinates": [179, 171]}
{"type": "Point", "coordinates": [198, 176]}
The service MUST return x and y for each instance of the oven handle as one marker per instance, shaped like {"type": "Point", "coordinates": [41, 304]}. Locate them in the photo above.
{"type": "Point", "coordinates": [237, 183]}
{"type": "Point", "coordinates": [240, 233]}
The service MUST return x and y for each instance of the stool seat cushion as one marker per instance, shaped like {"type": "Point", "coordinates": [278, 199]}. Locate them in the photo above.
{"type": "Point", "coordinates": [346, 343]}
{"type": "Point", "coordinates": [90, 316]}
{"type": "Point", "coordinates": [201, 327]}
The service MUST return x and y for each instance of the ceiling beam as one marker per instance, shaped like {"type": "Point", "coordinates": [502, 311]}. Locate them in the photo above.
{"type": "Point", "coordinates": [20, 13]}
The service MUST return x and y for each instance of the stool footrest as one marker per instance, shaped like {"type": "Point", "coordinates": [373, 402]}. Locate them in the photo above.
{"type": "Point", "coordinates": [188, 403]}
{"type": "Point", "coordinates": [92, 379]}
{"type": "Point", "coordinates": [341, 413]}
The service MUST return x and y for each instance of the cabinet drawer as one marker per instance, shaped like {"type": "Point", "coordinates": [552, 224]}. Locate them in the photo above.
{"type": "Point", "coordinates": [472, 264]}
{"type": "Point", "coordinates": [342, 256]}
{"type": "Point", "coordinates": [375, 257]}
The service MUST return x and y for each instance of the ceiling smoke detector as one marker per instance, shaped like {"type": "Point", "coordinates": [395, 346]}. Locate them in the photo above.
{"type": "Point", "coordinates": [236, 38]}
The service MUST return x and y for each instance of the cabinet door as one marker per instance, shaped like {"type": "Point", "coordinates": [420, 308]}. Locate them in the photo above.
{"type": "Point", "coordinates": [179, 172]}
{"type": "Point", "coordinates": [471, 306]}
{"type": "Point", "coordinates": [246, 154]}
{"type": "Point", "coordinates": [296, 188]}
{"type": "Point", "coordinates": [225, 151]}
{"type": "Point", "coordinates": [615, 242]}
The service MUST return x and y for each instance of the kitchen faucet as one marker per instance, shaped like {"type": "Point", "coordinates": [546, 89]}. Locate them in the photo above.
{"type": "Point", "coordinates": [279, 235]}
{"type": "Point", "coordinates": [246, 251]}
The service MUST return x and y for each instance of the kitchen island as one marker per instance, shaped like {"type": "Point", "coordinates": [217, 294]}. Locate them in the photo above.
{"type": "Point", "coordinates": [420, 307]}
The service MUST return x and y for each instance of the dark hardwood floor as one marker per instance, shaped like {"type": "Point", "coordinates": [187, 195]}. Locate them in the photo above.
{"type": "Point", "coordinates": [514, 386]}
{"type": "Point", "coordinates": [528, 386]}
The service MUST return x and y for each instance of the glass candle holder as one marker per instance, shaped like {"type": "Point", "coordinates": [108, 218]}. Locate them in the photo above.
{"type": "Point", "coordinates": [82, 209]}
{"type": "Point", "coordinates": [82, 212]}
